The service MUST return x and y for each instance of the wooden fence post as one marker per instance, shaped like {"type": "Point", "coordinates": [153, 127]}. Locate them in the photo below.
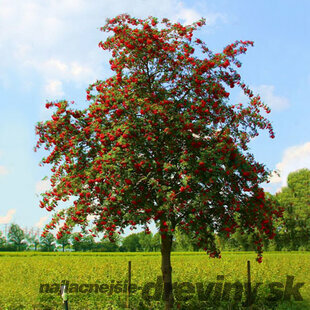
{"type": "Point", "coordinates": [129, 285]}
{"type": "Point", "coordinates": [249, 288]}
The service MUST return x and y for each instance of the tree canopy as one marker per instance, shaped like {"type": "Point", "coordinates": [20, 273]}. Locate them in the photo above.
{"type": "Point", "coordinates": [295, 199]}
{"type": "Point", "coordinates": [16, 236]}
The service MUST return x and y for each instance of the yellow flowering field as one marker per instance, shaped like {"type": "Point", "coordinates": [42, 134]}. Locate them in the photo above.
{"type": "Point", "coordinates": [31, 280]}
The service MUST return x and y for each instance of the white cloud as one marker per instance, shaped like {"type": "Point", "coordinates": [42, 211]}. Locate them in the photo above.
{"type": "Point", "coordinates": [22, 50]}
{"type": "Point", "coordinates": [212, 19]}
{"type": "Point", "coordinates": [294, 158]}
{"type": "Point", "coordinates": [3, 170]}
{"type": "Point", "coordinates": [42, 186]}
{"type": "Point", "coordinates": [41, 222]}
{"type": "Point", "coordinates": [189, 16]}
{"type": "Point", "coordinates": [59, 40]}
{"type": "Point", "coordinates": [54, 68]}
{"type": "Point", "coordinates": [8, 217]}
{"type": "Point", "coordinates": [267, 94]}
{"type": "Point", "coordinates": [275, 177]}
{"type": "Point", "coordinates": [273, 101]}
{"type": "Point", "coordinates": [53, 89]}
{"type": "Point", "coordinates": [55, 71]}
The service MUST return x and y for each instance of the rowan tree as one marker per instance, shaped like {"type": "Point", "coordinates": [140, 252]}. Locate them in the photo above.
{"type": "Point", "coordinates": [160, 141]}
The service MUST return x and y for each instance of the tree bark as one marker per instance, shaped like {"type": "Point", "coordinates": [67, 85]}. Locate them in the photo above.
{"type": "Point", "coordinates": [166, 244]}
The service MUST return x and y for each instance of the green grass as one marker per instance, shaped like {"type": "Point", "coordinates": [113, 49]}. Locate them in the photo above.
{"type": "Point", "coordinates": [21, 274]}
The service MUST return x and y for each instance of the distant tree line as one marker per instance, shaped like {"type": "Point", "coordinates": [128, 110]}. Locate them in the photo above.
{"type": "Point", "coordinates": [293, 230]}
{"type": "Point", "coordinates": [17, 240]}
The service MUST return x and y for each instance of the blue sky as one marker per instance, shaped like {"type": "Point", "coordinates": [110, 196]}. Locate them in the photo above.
{"type": "Point", "coordinates": [49, 50]}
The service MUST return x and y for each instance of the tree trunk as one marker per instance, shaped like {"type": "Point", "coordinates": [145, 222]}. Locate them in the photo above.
{"type": "Point", "coordinates": [63, 247]}
{"type": "Point", "coordinates": [166, 244]}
